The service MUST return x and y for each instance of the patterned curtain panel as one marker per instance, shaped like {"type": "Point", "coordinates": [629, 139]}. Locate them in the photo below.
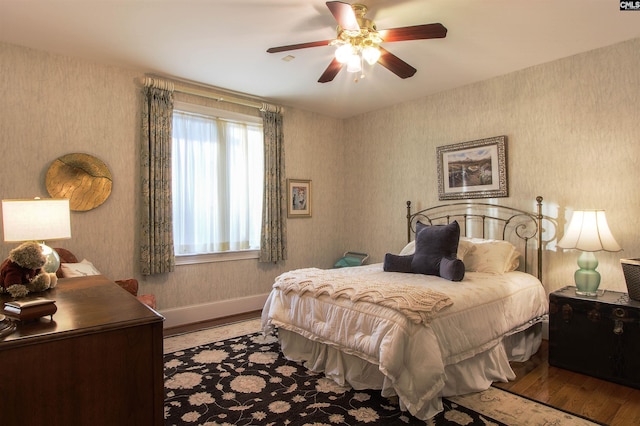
{"type": "Point", "coordinates": [273, 244]}
{"type": "Point", "coordinates": [156, 242]}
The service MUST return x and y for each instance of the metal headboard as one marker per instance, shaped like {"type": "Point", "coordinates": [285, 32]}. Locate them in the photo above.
{"type": "Point", "coordinates": [484, 220]}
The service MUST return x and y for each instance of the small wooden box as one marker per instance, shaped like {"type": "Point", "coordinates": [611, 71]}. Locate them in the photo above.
{"type": "Point", "coordinates": [34, 313]}
{"type": "Point", "coordinates": [597, 336]}
{"type": "Point", "coordinates": [29, 310]}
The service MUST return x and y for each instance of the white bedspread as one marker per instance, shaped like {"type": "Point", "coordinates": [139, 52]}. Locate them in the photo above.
{"type": "Point", "coordinates": [413, 357]}
{"type": "Point", "coordinates": [418, 302]}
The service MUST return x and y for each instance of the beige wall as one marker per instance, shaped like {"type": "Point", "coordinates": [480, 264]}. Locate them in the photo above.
{"type": "Point", "coordinates": [571, 126]}
{"type": "Point", "coordinates": [573, 137]}
{"type": "Point", "coordinates": [52, 105]}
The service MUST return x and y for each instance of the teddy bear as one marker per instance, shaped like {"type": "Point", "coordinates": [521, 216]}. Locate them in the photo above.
{"type": "Point", "coordinates": [21, 273]}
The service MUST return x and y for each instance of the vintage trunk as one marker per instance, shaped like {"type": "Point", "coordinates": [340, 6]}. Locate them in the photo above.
{"type": "Point", "coordinates": [597, 336]}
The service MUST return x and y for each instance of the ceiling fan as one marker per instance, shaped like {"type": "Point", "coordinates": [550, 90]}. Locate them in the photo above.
{"type": "Point", "coordinates": [359, 40]}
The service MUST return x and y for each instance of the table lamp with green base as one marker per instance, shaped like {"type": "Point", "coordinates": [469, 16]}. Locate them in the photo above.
{"type": "Point", "coordinates": [588, 231]}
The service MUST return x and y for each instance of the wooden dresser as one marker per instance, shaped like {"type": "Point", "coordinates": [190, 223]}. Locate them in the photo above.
{"type": "Point", "coordinates": [99, 362]}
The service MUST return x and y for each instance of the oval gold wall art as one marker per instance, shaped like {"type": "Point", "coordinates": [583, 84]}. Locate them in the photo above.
{"type": "Point", "coordinates": [82, 178]}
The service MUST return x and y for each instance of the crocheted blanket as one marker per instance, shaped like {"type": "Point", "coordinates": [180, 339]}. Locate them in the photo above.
{"type": "Point", "coordinates": [419, 303]}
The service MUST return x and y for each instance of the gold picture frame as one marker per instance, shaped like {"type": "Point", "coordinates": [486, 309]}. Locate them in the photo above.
{"type": "Point", "coordinates": [298, 198]}
{"type": "Point", "coordinates": [474, 169]}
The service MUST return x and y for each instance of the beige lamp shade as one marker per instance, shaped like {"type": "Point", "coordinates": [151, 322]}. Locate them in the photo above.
{"type": "Point", "coordinates": [82, 178]}
{"type": "Point", "coordinates": [36, 220]}
{"type": "Point", "coordinates": [589, 231]}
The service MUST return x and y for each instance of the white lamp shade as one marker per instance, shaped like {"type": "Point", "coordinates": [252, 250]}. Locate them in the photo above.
{"type": "Point", "coordinates": [354, 64]}
{"type": "Point", "coordinates": [371, 54]}
{"type": "Point", "coordinates": [36, 219]}
{"type": "Point", "coordinates": [589, 231]}
{"type": "Point", "coordinates": [343, 53]}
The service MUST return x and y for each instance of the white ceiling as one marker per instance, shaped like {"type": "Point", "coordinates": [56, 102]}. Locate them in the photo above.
{"type": "Point", "coordinates": [223, 43]}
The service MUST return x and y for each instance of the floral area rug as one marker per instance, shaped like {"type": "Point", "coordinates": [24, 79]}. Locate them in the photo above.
{"type": "Point", "coordinates": [243, 379]}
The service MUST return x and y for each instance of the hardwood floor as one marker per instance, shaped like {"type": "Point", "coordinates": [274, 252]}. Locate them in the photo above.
{"type": "Point", "coordinates": [598, 400]}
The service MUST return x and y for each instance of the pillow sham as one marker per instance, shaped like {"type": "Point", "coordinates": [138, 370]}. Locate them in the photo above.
{"type": "Point", "coordinates": [80, 269]}
{"type": "Point", "coordinates": [464, 248]}
{"type": "Point", "coordinates": [514, 262]}
{"type": "Point", "coordinates": [432, 244]}
{"type": "Point", "coordinates": [492, 256]}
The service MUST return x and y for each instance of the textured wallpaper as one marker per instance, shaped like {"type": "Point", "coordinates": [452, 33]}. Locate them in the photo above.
{"type": "Point", "coordinates": [53, 105]}
{"type": "Point", "coordinates": [572, 138]}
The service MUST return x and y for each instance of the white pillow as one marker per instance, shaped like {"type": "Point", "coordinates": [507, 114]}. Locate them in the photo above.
{"type": "Point", "coordinates": [80, 269]}
{"type": "Point", "coordinates": [408, 249]}
{"type": "Point", "coordinates": [464, 247]}
{"type": "Point", "coordinates": [514, 262]}
{"type": "Point", "coordinates": [492, 256]}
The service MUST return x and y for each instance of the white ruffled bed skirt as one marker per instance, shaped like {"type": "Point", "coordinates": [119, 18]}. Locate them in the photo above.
{"type": "Point", "coordinates": [471, 375]}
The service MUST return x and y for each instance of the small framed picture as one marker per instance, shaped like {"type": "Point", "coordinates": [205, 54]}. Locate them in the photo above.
{"type": "Point", "coordinates": [299, 198]}
{"type": "Point", "coordinates": [475, 169]}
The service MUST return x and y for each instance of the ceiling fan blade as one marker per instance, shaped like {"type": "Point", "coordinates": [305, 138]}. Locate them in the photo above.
{"type": "Point", "coordinates": [344, 14]}
{"type": "Point", "coordinates": [298, 46]}
{"type": "Point", "coordinates": [330, 73]}
{"type": "Point", "coordinates": [395, 64]}
{"type": "Point", "coordinates": [416, 32]}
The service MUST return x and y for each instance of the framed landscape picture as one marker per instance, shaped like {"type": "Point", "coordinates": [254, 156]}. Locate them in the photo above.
{"type": "Point", "coordinates": [475, 169]}
{"type": "Point", "coordinates": [299, 198]}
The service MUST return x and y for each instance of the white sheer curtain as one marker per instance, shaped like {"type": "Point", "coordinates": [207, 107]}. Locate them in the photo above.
{"type": "Point", "coordinates": [217, 184]}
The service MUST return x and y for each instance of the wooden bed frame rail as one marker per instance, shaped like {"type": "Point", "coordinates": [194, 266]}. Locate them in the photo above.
{"type": "Point", "coordinates": [485, 220]}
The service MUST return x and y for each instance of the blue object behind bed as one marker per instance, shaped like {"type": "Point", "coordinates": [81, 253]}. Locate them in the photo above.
{"type": "Point", "coordinates": [351, 259]}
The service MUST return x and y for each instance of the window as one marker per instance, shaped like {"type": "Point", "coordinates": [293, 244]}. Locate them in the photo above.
{"type": "Point", "coordinates": [217, 172]}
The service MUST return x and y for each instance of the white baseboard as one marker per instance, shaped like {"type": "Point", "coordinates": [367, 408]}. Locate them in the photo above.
{"type": "Point", "coordinates": [207, 311]}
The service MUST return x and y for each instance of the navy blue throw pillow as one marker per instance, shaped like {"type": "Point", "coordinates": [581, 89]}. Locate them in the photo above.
{"type": "Point", "coordinates": [432, 244]}
{"type": "Point", "coordinates": [420, 226]}
{"type": "Point", "coordinates": [451, 269]}
{"type": "Point", "coordinates": [397, 263]}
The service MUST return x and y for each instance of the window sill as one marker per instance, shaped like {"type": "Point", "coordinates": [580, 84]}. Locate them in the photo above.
{"type": "Point", "coordinates": [217, 257]}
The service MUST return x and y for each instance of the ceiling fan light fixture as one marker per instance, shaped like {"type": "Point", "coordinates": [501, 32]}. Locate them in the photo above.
{"type": "Point", "coordinates": [354, 64]}
{"type": "Point", "coordinates": [344, 53]}
{"type": "Point", "coordinates": [358, 40]}
{"type": "Point", "coordinates": [371, 54]}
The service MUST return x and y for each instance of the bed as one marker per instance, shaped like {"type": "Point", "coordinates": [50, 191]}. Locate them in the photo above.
{"type": "Point", "coordinates": [415, 336]}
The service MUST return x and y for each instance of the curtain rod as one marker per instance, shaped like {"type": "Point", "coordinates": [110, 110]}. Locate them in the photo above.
{"type": "Point", "coordinates": [176, 86]}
